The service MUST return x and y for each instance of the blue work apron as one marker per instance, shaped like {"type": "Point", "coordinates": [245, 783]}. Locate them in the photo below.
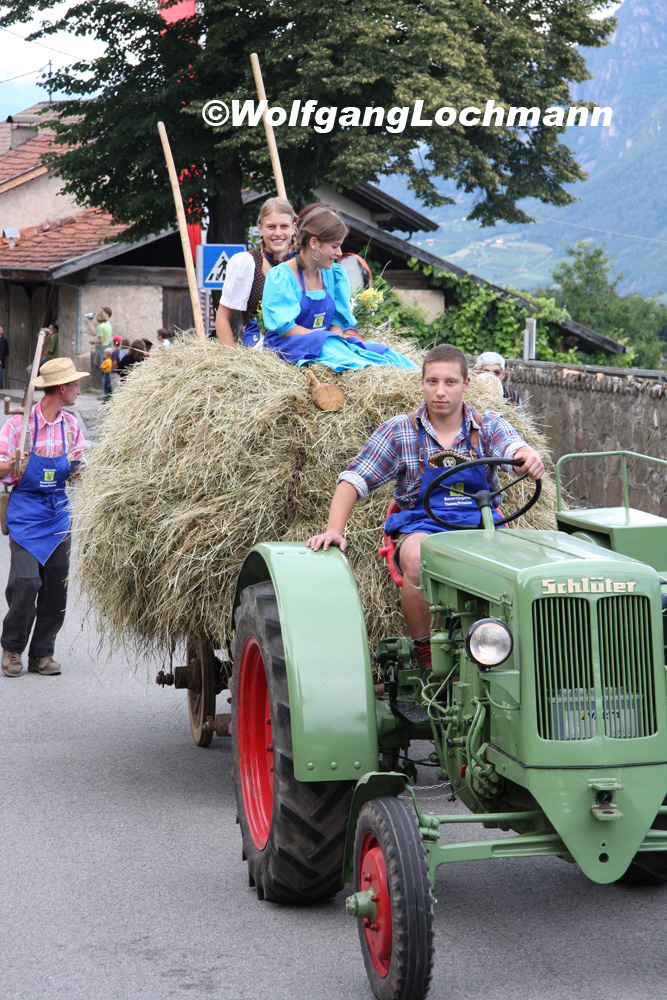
{"type": "Point", "coordinates": [316, 315]}
{"type": "Point", "coordinates": [445, 501]}
{"type": "Point", "coordinates": [38, 513]}
{"type": "Point", "coordinates": [252, 334]}
{"type": "Point", "coordinates": [368, 345]}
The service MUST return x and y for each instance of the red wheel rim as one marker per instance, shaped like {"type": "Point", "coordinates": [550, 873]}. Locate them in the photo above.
{"type": "Point", "coordinates": [255, 743]}
{"type": "Point", "coordinates": [373, 875]}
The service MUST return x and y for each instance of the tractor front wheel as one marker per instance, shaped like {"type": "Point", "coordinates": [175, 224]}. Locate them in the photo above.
{"type": "Point", "coordinates": [390, 862]}
{"type": "Point", "coordinates": [293, 831]}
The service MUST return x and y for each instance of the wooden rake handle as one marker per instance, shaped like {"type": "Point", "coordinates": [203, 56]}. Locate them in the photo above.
{"type": "Point", "coordinates": [268, 128]}
{"type": "Point", "coordinates": [183, 229]}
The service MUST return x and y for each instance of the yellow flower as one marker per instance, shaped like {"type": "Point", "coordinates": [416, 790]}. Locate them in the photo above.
{"type": "Point", "coordinates": [371, 298]}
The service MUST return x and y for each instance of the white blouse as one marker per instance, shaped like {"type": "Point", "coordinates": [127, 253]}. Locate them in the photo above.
{"type": "Point", "coordinates": [238, 281]}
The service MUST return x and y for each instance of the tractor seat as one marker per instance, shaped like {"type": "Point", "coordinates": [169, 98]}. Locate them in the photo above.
{"type": "Point", "coordinates": [389, 547]}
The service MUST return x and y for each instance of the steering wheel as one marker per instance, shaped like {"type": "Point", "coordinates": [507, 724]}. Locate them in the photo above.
{"type": "Point", "coordinates": [483, 498]}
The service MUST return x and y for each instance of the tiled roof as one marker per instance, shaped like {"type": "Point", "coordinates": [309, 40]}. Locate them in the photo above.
{"type": "Point", "coordinates": [51, 244]}
{"type": "Point", "coordinates": [27, 155]}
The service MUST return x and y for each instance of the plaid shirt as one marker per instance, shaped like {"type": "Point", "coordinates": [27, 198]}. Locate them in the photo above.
{"type": "Point", "coordinates": [49, 437]}
{"type": "Point", "coordinates": [392, 452]}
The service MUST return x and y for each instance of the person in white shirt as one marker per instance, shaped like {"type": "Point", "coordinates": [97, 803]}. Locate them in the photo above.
{"type": "Point", "coordinates": [163, 338]}
{"type": "Point", "coordinates": [244, 281]}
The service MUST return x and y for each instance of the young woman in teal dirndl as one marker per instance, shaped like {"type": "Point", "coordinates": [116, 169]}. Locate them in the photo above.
{"type": "Point", "coordinates": [306, 304]}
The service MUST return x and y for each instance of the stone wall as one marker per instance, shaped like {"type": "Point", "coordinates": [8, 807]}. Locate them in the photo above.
{"type": "Point", "coordinates": [581, 408]}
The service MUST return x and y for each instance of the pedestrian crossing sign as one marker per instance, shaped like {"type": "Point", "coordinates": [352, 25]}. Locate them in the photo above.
{"type": "Point", "coordinates": [212, 261]}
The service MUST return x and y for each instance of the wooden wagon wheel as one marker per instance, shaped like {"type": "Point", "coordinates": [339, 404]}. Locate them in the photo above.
{"type": "Point", "coordinates": [203, 671]}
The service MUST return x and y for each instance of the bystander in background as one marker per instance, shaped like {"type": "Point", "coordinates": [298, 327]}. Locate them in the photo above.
{"type": "Point", "coordinates": [164, 338]}
{"type": "Point", "coordinates": [100, 335]}
{"type": "Point", "coordinates": [491, 361]}
{"type": "Point", "coordinates": [121, 346]}
{"type": "Point", "coordinates": [50, 344]}
{"type": "Point", "coordinates": [106, 368]}
{"type": "Point", "coordinates": [136, 353]}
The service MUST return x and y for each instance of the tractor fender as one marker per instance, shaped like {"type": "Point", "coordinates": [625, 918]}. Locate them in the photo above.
{"type": "Point", "coordinates": [371, 786]}
{"type": "Point", "coordinates": [329, 676]}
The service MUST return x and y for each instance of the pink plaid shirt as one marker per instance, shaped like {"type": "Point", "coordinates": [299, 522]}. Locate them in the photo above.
{"type": "Point", "coordinates": [49, 442]}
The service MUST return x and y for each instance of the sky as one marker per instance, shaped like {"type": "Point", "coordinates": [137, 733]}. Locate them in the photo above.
{"type": "Point", "coordinates": [23, 63]}
{"type": "Point", "coordinates": [22, 59]}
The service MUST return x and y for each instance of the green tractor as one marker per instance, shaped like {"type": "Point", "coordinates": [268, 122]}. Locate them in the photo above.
{"type": "Point", "coordinates": [546, 709]}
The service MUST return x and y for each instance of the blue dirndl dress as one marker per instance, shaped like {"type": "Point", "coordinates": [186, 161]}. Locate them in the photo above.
{"type": "Point", "coordinates": [286, 303]}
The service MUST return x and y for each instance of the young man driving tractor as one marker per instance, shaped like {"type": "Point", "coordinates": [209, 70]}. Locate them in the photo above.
{"type": "Point", "coordinates": [413, 449]}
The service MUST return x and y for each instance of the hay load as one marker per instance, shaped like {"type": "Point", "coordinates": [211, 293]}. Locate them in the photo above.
{"type": "Point", "coordinates": [206, 451]}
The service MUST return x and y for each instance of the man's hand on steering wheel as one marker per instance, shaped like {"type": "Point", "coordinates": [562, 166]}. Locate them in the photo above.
{"type": "Point", "coordinates": [532, 463]}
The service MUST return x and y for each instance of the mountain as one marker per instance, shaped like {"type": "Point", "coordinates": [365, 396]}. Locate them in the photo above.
{"type": "Point", "coordinates": [625, 194]}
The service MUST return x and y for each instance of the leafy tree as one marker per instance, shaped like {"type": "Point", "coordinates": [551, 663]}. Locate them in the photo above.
{"type": "Point", "coordinates": [346, 53]}
{"type": "Point", "coordinates": [476, 318]}
{"type": "Point", "coordinates": [587, 288]}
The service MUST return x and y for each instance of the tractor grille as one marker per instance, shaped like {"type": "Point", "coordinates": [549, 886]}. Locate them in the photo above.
{"type": "Point", "coordinates": [564, 669]}
{"type": "Point", "coordinates": [565, 683]}
{"type": "Point", "coordinates": [626, 666]}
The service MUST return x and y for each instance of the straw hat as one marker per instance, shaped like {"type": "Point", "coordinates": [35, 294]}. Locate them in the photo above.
{"type": "Point", "coordinates": [57, 372]}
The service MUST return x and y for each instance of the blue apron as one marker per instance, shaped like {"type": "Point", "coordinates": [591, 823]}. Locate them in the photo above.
{"type": "Point", "coordinates": [445, 501]}
{"type": "Point", "coordinates": [316, 315]}
{"type": "Point", "coordinates": [367, 345]}
{"type": "Point", "coordinates": [251, 332]}
{"type": "Point", "coordinates": [38, 514]}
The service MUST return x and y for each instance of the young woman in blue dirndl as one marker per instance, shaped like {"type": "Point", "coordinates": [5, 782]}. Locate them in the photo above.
{"type": "Point", "coordinates": [306, 303]}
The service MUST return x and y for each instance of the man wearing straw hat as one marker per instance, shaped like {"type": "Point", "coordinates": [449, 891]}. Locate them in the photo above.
{"type": "Point", "coordinates": [38, 519]}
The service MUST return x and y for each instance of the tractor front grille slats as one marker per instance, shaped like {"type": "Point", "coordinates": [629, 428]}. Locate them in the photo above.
{"type": "Point", "coordinates": [564, 669]}
{"type": "Point", "coordinates": [626, 666]}
{"type": "Point", "coordinates": [566, 686]}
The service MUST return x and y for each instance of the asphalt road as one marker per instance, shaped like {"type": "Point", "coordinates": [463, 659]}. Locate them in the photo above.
{"type": "Point", "coordinates": [121, 872]}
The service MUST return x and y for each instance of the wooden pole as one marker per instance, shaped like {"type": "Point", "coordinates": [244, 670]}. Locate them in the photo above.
{"type": "Point", "coordinates": [183, 229]}
{"type": "Point", "coordinates": [27, 403]}
{"type": "Point", "coordinates": [268, 128]}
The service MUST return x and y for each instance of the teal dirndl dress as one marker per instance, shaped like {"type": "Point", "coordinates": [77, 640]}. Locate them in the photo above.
{"type": "Point", "coordinates": [286, 303]}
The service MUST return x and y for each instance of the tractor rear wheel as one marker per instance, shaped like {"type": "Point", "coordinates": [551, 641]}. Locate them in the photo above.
{"type": "Point", "coordinates": [649, 867]}
{"type": "Point", "coordinates": [293, 831]}
{"type": "Point", "coordinates": [390, 860]}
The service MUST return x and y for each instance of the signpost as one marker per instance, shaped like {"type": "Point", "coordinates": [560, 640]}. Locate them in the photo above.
{"type": "Point", "coordinates": [212, 260]}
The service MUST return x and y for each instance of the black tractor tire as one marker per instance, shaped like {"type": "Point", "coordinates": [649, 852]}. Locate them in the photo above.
{"type": "Point", "coordinates": [293, 831]}
{"type": "Point", "coordinates": [649, 867]}
{"type": "Point", "coordinates": [390, 858]}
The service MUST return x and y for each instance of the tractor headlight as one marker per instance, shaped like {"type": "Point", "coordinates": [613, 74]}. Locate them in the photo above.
{"type": "Point", "coordinates": [489, 642]}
